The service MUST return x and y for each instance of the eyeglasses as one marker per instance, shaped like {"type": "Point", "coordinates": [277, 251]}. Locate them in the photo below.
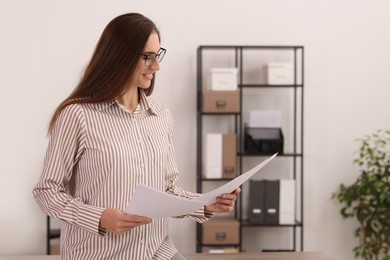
{"type": "Point", "coordinates": [150, 57]}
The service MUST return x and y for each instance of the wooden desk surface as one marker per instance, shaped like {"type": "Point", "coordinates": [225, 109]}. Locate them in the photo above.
{"type": "Point", "coordinates": [232, 256]}
{"type": "Point", "coordinates": [268, 256]}
{"type": "Point", "coordinates": [31, 257]}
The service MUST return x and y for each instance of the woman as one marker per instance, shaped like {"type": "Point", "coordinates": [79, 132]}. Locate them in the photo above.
{"type": "Point", "coordinates": [107, 137]}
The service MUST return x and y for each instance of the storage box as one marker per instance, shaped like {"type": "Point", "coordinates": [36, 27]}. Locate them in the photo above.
{"type": "Point", "coordinates": [221, 101]}
{"type": "Point", "coordinates": [223, 79]}
{"type": "Point", "coordinates": [55, 249]}
{"type": "Point", "coordinates": [229, 156]}
{"type": "Point", "coordinates": [220, 156]}
{"type": "Point", "coordinates": [263, 140]}
{"type": "Point", "coordinates": [287, 202]}
{"type": "Point", "coordinates": [220, 231]}
{"type": "Point", "coordinates": [264, 118]}
{"type": "Point", "coordinates": [280, 73]}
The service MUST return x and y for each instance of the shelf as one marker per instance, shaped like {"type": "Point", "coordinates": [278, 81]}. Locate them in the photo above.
{"type": "Point", "coordinates": [54, 233]}
{"type": "Point", "coordinates": [269, 86]}
{"type": "Point", "coordinates": [246, 223]}
{"type": "Point", "coordinates": [265, 47]}
{"type": "Point", "coordinates": [265, 155]}
{"type": "Point", "coordinates": [221, 245]}
{"type": "Point", "coordinates": [215, 179]}
{"type": "Point", "coordinates": [278, 250]}
{"type": "Point", "coordinates": [219, 114]}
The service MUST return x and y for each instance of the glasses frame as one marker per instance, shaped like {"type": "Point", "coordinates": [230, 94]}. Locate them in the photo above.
{"type": "Point", "coordinates": [150, 57]}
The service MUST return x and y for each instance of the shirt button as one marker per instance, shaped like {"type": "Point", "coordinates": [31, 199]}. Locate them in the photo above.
{"type": "Point", "coordinates": [139, 141]}
{"type": "Point", "coordinates": [142, 165]}
{"type": "Point", "coordinates": [141, 241]}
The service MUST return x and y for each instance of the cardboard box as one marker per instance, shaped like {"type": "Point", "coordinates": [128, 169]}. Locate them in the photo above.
{"type": "Point", "coordinates": [223, 79]}
{"type": "Point", "coordinates": [220, 156]}
{"type": "Point", "coordinates": [221, 101]}
{"type": "Point", "coordinates": [220, 231]}
{"type": "Point", "coordinates": [229, 156]}
{"type": "Point", "coordinates": [55, 249]}
{"type": "Point", "coordinates": [280, 73]}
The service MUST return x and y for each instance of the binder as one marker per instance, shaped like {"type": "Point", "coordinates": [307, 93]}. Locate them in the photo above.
{"type": "Point", "coordinates": [271, 202]}
{"type": "Point", "coordinates": [256, 201]}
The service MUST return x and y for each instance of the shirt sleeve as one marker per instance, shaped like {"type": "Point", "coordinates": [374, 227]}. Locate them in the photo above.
{"type": "Point", "coordinates": [53, 189]}
{"type": "Point", "coordinates": [172, 176]}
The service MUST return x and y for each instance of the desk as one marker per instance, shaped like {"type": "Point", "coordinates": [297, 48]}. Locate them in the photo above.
{"type": "Point", "coordinates": [31, 257]}
{"type": "Point", "coordinates": [263, 256]}
{"type": "Point", "coordinates": [233, 256]}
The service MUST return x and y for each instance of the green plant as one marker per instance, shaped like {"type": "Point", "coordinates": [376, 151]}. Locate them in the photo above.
{"type": "Point", "coordinates": [368, 198]}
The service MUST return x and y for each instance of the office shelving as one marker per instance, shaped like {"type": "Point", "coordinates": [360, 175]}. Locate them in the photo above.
{"type": "Point", "coordinates": [51, 233]}
{"type": "Point", "coordinates": [252, 86]}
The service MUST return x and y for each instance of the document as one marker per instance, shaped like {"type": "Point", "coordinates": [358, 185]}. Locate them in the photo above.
{"type": "Point", "coordinates": [210, 197]}
{"type": "Point", "coordinates": [153, 203]}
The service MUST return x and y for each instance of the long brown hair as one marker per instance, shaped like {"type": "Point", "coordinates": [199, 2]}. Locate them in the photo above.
{"type": "Point", "coordinates": [113, 62]}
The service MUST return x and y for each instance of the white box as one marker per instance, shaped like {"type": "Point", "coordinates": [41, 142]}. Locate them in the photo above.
{"type": "Point", "coordinates": [287, 202]}
{"type": "Point", "coordinates": [223, 79]}
{"type": "Point", "coordinates": [265, 118]}
{"type": "Point", "coordinates": [280, 73]}
{"type": "Point", "coordinates": [213, 156]}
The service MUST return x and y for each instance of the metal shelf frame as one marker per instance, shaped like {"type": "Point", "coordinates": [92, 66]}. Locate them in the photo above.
{"type": "Point", "coordinates": [297, 154]}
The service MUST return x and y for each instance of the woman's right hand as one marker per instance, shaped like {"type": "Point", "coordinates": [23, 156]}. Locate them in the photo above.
{"type": "Point", "coordinates": [118, 221]}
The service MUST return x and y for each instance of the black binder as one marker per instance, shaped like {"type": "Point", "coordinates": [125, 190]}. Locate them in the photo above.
{"type": "Point", "coordinates": [271, 202]}
{"type": "Point", "coordinates": [256, 202]}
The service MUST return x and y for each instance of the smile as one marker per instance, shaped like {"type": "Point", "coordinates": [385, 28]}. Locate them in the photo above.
{"type": "Point", "coordinates": [149, 76]}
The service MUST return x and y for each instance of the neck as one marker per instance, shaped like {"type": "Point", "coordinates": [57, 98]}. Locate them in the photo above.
{"type": "Point", "coordinates": [130, 99]}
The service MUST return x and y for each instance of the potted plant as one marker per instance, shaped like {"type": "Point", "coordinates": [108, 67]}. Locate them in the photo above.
{"type": "Point", "coordinates": [368, 198]}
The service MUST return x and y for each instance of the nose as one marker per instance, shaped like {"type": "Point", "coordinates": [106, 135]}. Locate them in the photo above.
{"type": "Point", "coordinates": [155, 65]}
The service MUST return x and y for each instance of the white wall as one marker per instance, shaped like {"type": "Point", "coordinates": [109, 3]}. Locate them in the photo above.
{"type": "Point", "coordinates": [45, 45]}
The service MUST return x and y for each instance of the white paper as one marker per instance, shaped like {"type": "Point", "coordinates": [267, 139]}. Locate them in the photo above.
{"type": "Point", "coordinates": [153, 203]}
{"type": "Point", "coordinates": [265, 118]}
{"type": "Point", "coordinates": [210, 197]}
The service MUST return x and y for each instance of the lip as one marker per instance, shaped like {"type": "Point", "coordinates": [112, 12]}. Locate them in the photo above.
{"type": "Point", "coordinates": [148, 75]}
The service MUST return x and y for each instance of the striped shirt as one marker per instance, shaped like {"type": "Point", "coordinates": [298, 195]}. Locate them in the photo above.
{"type": "Point", "coordinates": [97, 154]}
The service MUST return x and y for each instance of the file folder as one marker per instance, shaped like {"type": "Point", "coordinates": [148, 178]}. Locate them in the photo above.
{"type": "Point", "coordinates": [271, 202]}
{"type": "Point", "coordinates": [256, 202]}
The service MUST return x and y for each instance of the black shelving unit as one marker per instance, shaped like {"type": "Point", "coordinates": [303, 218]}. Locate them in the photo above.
{"type": "Point", "coordinates": [50, 234]}
{"type": "Point", "coordinates": [295, 153]}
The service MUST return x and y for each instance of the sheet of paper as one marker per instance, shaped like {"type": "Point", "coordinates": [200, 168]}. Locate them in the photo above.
{"type": "Point", "coordinates": [210, 197]}
{"type": "Point", "coordinates": [153, 203]}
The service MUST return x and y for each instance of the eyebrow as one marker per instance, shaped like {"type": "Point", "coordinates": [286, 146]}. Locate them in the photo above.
{"type": "Point", "coordinates": [153, 51]}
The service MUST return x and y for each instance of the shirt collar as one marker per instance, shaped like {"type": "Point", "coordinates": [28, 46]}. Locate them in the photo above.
{"type": "Point", "coordinates": [145, 103]}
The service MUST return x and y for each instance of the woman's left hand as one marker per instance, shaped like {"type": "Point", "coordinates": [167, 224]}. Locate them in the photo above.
{"type": "Point", "coordinates": [225, 202]}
